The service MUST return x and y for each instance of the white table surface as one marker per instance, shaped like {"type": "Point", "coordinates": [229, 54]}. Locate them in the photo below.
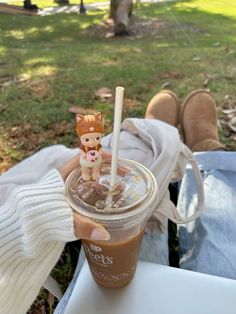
{"type": "Point", "coordinates": [156, 289]}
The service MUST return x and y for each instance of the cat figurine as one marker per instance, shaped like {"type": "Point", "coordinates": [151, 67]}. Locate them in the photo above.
{"type": "Point", "coordinates": [89, 129]}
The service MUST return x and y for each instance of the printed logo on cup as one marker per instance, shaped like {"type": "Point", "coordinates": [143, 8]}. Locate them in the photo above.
{"type": "Point", "coordinates": [95, 248]}
{"type": "Point", "coordinates": [93, 253]}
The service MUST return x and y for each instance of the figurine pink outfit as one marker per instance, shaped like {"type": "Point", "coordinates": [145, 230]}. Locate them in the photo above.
{"type": "Point", "coordinates": [89, 129]}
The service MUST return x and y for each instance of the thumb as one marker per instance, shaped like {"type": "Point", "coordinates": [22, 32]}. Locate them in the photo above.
{"type": "Point", "coordinates": [88, 229]}
{"type": "Point", "coordinates": [67, 168]}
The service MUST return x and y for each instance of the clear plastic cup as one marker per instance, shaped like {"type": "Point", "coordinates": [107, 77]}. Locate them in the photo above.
{"type": "Point", "coordinates": [123, 212]}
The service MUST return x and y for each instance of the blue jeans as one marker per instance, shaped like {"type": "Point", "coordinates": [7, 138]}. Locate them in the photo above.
{"type": "Point", "coordinates": [208, 245]}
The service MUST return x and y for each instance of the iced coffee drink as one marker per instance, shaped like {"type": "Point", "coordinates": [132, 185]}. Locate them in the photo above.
{"type": "Point", "coordinates": [123, 211]}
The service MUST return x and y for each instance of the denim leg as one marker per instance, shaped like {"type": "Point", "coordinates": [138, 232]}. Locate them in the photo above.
{"type": "Point", "coordinates": [208, 245]}
{"type": "Point", "coordinates": [158, 247]}
{"type": "Point", "coordinates": [154, 248]}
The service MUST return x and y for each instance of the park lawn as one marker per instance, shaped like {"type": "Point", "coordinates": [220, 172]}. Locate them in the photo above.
{"type": "Point", "coordinates": [48, 64]}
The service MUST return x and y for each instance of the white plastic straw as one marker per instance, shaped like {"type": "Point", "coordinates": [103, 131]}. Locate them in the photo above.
{"type": "Point", "coordinates": [116, 133]}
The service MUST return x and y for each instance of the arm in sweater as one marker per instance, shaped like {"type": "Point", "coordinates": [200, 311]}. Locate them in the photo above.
{"type": "Point", "coordinates": [35, 223]}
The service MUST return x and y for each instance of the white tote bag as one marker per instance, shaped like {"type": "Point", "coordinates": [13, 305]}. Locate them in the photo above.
{"type": "Point", "coordinates": [157, 146]}
{"type": "Point", "coordinates": [153, 143]}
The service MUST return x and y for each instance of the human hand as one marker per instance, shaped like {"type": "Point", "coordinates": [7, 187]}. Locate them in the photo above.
{"type": "Point", "coordinates": [85, 228]}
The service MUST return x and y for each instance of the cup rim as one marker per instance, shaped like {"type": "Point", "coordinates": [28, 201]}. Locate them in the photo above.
{"type": "Point", "coordinates": [124, 216]}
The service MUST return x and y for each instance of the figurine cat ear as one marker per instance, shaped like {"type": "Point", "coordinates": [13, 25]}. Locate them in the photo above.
{"type": "Point", "coordinates": [98, 116]}
{"type": "Point", "coordinates": [79, 117]}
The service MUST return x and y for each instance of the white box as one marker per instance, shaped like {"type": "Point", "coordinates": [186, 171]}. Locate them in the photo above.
{"type": "Point", "coordinates": [155, 289]}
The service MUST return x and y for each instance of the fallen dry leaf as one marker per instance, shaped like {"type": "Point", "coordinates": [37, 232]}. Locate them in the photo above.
{"type": "Point", "coordinates": [74, 109]}
{"type": "Point", "coordinates": [165, 85]}
{"type": "Point", "coordinates": [233, 136]}
{"type": "Point", "coordinates": [104, 93]}
{"type": "Point", "coordinates": [229, 111]}
{"type": "Point", "coordinates": [207, 81]}
{"type": "Point", "coordinates": [227, 97]}
{"type": "Point", "coordinates": [81, 110]}
{"type": "Point", "coordinates": [109, 35]}
{"type": "Point", "coordinates": [231, 115]}
{"type": "Point", "coordinates": [196, 58]}
{"type": "Point", "coordinates": [232, 124]}
{"type": "Point", "coordinates": [137, 50]}
{"type": "Point", "coordinates": [171, 75]}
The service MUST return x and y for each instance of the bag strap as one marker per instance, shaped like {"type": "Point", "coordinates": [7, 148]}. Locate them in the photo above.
{"type": "Point", "coordinates": [188, 155]}
{"type": "Point", "coordinates": [167, 209]}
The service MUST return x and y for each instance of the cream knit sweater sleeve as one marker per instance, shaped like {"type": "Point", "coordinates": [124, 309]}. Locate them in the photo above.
{"type": "Point", "coordinates": [35, 223]}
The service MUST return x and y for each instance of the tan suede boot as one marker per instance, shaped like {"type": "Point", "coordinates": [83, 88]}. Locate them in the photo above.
{"type": "Point", "coordinates": [199, 122]}
{"type": "Point", "coordinates": [164, 106]}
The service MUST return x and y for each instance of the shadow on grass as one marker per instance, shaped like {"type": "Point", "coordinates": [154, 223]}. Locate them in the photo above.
{"type": "Point", "coordinates": [50, 63]}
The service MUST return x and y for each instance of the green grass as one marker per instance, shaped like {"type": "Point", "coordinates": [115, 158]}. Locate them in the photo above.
{"type": "Point", "coordinates": [48, 64]}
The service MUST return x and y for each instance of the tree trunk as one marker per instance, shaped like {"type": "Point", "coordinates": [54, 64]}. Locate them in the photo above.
{"type": "Point", "coordinates": [120, 11]}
